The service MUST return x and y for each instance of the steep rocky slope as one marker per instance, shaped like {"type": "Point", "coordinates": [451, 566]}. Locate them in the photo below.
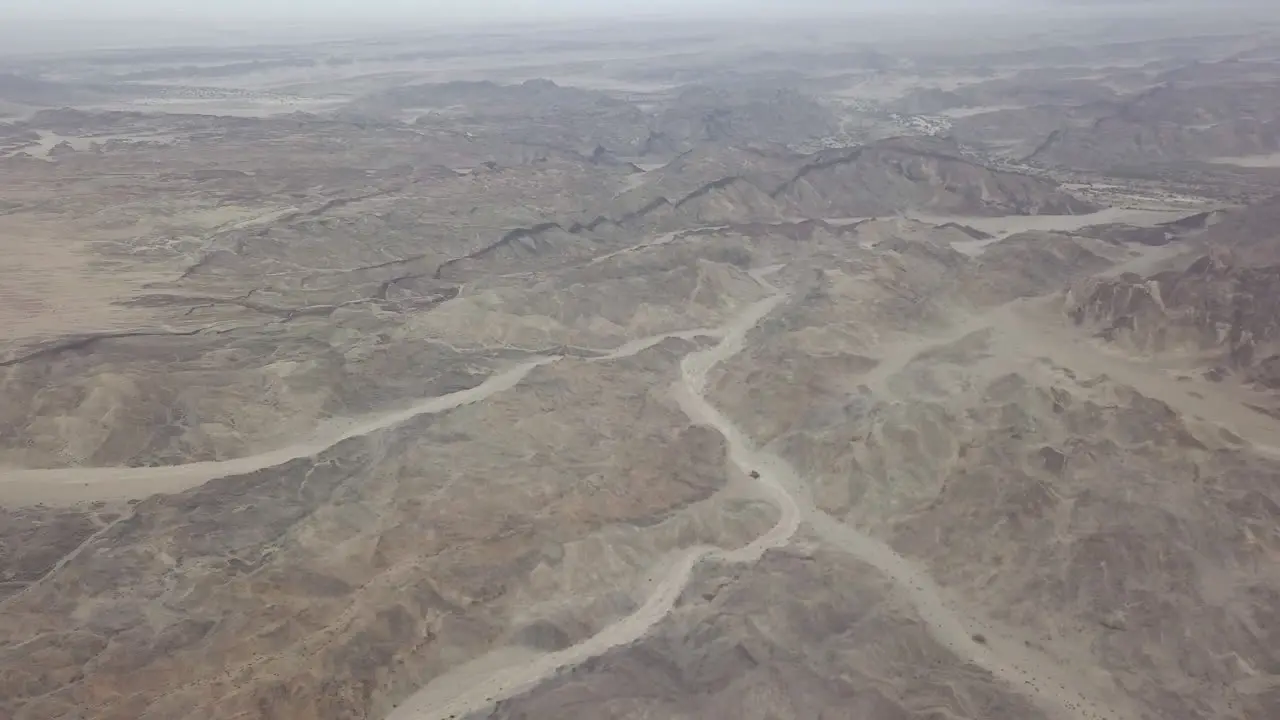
{"type": "Point", "coordinates": [1224, 317]}
{"type": "Point", "coordinates": [1247, 236]}
{"type": "Point", "coordinates": [1172, 121]}
{"type": "Point", "coordinates": [169, 398]}
{"type": "Point", "coordinates": [455, 403]}
{"type": "Point", "coordinates": [895, 175]}
{"type": "Point", "coordinates": [771, 186]}
{"type": "Point", "coordinates": [737, 114]}
{"type": "Point", "coordinates": [1217, 311]}
{"type": "Point", "coordinates": [760, 644]}
{"type": "Point", "coordinates": [334, 583]}
{"type": "Point", "coordinates": [1034, 468]}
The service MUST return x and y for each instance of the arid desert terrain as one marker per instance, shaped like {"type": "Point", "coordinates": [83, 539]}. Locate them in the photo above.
{"type": "Point", "coordinates": [799, 370]}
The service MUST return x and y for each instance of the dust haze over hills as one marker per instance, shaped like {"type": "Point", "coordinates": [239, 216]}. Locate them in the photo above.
{"type": "Point", "coordinates": [862, 367]}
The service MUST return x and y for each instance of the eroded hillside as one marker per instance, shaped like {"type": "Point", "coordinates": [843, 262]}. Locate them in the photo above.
{"type": "Point", "coordinates": [786, 375]}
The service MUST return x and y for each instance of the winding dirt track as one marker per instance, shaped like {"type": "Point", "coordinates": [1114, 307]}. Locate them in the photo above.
{"type": "Point", "coordinates": [1062, 692]}
{"type": "Point", "coordinates": [83, 484]}
{"type": "Point", "coordinates": [455, 694]}
{"type": "Point", "coordinates": [70, 486]}
{"type": "Point", "coordinates": [1057, 691]}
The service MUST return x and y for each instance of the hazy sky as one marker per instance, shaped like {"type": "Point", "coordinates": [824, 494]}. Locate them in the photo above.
{"type": "Point", "coordinates": [313, 11]}
{"type": "Point", "coordinates": [42, 26]}
{"type": "Point", "coordinates": [303, 10]}
{"type": "Point", "coordinates": [317, 9]}
{"type": "Point", "coordinates": [425, 10]}
{"type": "Point", "coordinates": [54, 25]}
